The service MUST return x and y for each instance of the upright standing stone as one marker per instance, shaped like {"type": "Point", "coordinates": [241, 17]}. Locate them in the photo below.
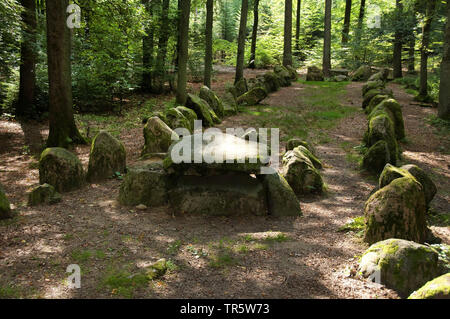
{"type": "Point", "coordinates": [5, 208]}
{"type": "Point", "coordinates": [157, 136]}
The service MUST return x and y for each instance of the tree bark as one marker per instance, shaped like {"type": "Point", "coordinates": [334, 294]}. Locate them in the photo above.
{"type": "Point", "coordinates": [423, 88]}
{"type": "Point", "coordinates": [444, 89]}
{"type": "Point", "coordinates": [241, 42]}
{"type": "Point", "coordinates": [147, 51]}
{"type": "Point", "coordinates": [411, 54]}
{"type": "Point", "coordinates": [209, 42]}
{"type": "Point", "coordinates": [287, 52]}
{"type": "Point", "coordinates": [327, 40]}
{"type": "Point", "coordinates": [184, 11]}
{"type": "Point", "coordinates": [162, 48]}
{"type": "Point", "coordinates": [362, 9]}
{"type": "Point", "coordinates": [63, 130]}
{"type": "Point", "coordinates": [397, 53]}
{"type": "Point", "coordinates": [347, 17]}
{"type": "Point", "coordinates": [254, 34]}
{"type": "Point", "coordinates": [297, 27]}
{"type": "Point", "coordinates": [27, 60]}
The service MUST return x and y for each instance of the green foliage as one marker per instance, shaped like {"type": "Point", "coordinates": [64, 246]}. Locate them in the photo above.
{"type": "Point", "coordinates": [356, 225]}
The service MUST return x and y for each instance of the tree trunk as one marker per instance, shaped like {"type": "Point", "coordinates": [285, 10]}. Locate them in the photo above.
{"type": "Point", "coordinates": [297, 28]}
{"type": "Point", "coordinates": [411, 54]}
{"type": "Point", "coordinates": [27, 60]}
{"type": "Point", "coordinates": [287, 52]}
{"type": "Point", "coordinates": [362, 9]}
{"type": "Point", "coordinates": [209, 42]}
{"type": "Point", "coordinates": [397, 54]}
{"type": "Point", "coordinates": [147, 51]}
{"type": "Point", "coordinates": [327, 40]}
{"type": "Point", "coordinates": [444, 89]}
{"type": "Point", "coordinates": [241, 42]}
{"type": "Point", "coordinates": [184, 11]}
{"type": "Point", "coordinates": [347, 17]}
{"type": "Point", "coordinates": [254, 34]}
{"type": "Point", "coordinates": [63, 130]}
{"type": "Point", "coordinates": [423, 89]}
{"type": "Point", "coordinates": [162, 48]}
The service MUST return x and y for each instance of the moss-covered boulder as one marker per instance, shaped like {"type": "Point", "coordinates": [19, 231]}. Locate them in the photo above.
{"type": "Point", "coordinates": [381, 75]}
{"type": "Point", "coordinates": [157, 269]}
{"type": "Point", "coordinates": [294, 142]}
{"type": "Point", "coordinates": [371, 85]}
{"type": "Point", "coordinates": [241, 87]}
{"type": "Point", "coordinates": [214, 102]}
{"type": "Point", "coordinates": [292, 72]}
{"type": "Point", "coordinates": [391, 173]}
{"type": "Point", "coordinates": [281, 199]}
{"type": "Point", "coordinates": [300, 172]}
{"type": "Point", "coordinates": [428, 185]}
{"type": "Point", "coordinates": [252, 97]}
{"type": "Point", "coordinates": [232, 194]}
{"type": "Point", "coordinates": [272, 82]}
{"type": "Point", "coordinates": [396, 211]}
{"type": "Point", "coordinates": [283, 75]}
{"type": "Point", "coordinates": [369, 95]}
{"type": "Point", "coordinates": [400, 264]}
{"type": "Point", "coordinates": [176, 119]}
{"type": "Point", "coordinates": [107, 157]}
{"type": "Point", "coordinates": [376, 157]}
{"type": "Point", "coordinates": [43, 194]}
{"type": "Point", "coordinates": [157, 137]}
{"type": "Point", "coordinates": [363, 73]}
{"type": "Point", "coordinates": [381, 128]}
{"type": "Point", "coordinates": [314, 74]}
{"type": "Point", "coordinates": [377, 99]}
{"type": "Point", "coordinates": [5, 207]}
{"type": "Point", "coordinates": [61, 169]}
{"type": "Point", "coordinates": [394, 109]}
{"type": "Point", "coordinates": [438, 288]}
{"type": "Point", "coordinates": [302, 150]}
{"type": "Point", "coordinates": [189, 114]}
{"type": "Point", "coordinates": [202, 109]}
{"type": "Point", "coordinates": [145, 183]}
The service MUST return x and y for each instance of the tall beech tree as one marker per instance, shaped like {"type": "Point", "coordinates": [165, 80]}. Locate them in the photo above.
{"type": "Point", "coordinates": [27, 60]}
{"type": "Point", "coordinates": [241, 42]}
{"type": "Point", "coordinates": [208, 42]}
{"type": "Point", "coordinates": [444, 89]}
{"type": "Point", "coordinates": [63, 130]}
{"type": "Point", "coordinates": [184, 10]}
{"type": "Point", "coordinates": [398, 41]}
{"type": "Point", "coordinates": [347, 17]}
{"type": "Point", "coordinates": [327, 39]}
{"type": "Point", "coordinates": [287, 49]}
{"type": "Point", "coordinates": [362, 11]}
{"type": "Point", "coordinates": [252, 64]}
{"type": "Point", "coordinates": [162, 48]}
{"type": "Point", "coordinates": [297, 27]}
{"type": "Point", "coordinates": [426, 28]}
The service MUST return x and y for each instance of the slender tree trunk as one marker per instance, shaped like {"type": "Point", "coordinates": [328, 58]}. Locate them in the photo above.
{"type": "Point", "coordinates": [28, 60]}
{"type": "Point", "coordinates": [327, 40]}
{"type": "Point", "coordinates": [162, 48]}
{"type": "Point", "coordinates": [63, 130]}
{"type": "Point", "coordinates": [347, 17]}
{"type": "Point", "coordinates": [209, 42]}
{"type": "Point", "coordinates": [241, 42]}
{"type": "Point", "coordinates": [397, 54]}
{"type": "Point", "coordinates": [147, 51]}
{"type": "Point", "coordinates": [287, 52]}
{"type": "Point", "coordinates": [254, 34]}
{"type": "Point", "coordinates": [183, 45]}
{"type": "Point", "coordinates": [362, 9]}
{"type": "Point", "coordinates": [297, 27]}
{"type": "Point", "coordinates": [444, 89]}
{"type": "Point", "coordinates": [423, 89]}
{"type": "Point", "coordinates": [411, 54]}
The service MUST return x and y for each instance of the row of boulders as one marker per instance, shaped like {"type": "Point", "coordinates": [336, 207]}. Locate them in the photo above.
{"type": "Point", "coordinates": [385, 123]}
{"type": "Point", "coordinates": [212, 187]}
{"type": "Point", "coordinates": [61, 171]}
{"type": "Point", "coordinates": [411, 269]}
{"type": "Point", "coordinates": [314, 73]}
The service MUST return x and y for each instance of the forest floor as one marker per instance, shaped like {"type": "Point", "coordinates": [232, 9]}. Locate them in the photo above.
{"type": "Point", "coordinates": [211, 257]}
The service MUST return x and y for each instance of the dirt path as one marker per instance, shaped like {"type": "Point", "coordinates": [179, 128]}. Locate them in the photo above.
{"type": "Point", "coordinates": [252, 257]}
